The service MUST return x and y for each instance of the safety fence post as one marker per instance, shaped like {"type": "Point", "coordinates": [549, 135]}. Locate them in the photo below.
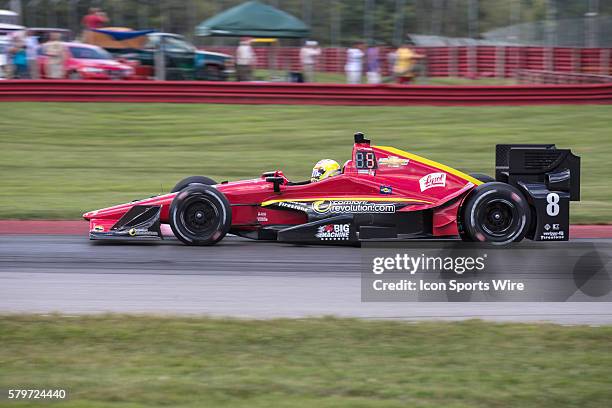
{"type": "Point", "coordinates": [472, 68]}
{"type": "Point", "coordinates": [576, 60]}
{"type": "Point", "coordinates": [500, 62]}
{"type": "Point", "coordinates": [453, 63]}
{"type": "Point", "coordinates": [605, 61]}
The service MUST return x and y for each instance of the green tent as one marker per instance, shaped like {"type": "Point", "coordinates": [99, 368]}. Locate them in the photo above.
{"type": "Point", "coordinates": [253, 19]}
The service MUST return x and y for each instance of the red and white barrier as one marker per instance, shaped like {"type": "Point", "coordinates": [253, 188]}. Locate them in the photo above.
{"type": "Point", "coordinates": [300, 94]}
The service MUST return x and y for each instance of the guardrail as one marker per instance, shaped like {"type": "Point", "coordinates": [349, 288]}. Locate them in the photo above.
{"type": "Point", "coordinates": [300, 94]}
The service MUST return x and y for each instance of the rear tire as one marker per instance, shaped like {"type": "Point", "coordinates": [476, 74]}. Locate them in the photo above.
{"type": "Point", "coordinates": [482, 177]}
{"type": "Point", "coordinates": [186, 182]}
{"type": "Point", "coordinates": [212, 73]}
{"type": "Point", "coordinates": [494, 212]}
{"type": "Point", "coordinates": [200, 215]}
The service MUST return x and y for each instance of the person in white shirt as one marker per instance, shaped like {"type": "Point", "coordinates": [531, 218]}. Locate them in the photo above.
{"type": "Point", "coordinates": [31, 43]}
{"type": "Point", "coordinates": [354, 64]}
{"type": "Point", "coordinates": [245, 60]}
{"type": "Point", "coordinates": [308, 57]}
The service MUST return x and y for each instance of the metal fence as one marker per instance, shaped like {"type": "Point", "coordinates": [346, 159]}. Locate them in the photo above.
{"type": "Point", "coordinates": [469, 62]}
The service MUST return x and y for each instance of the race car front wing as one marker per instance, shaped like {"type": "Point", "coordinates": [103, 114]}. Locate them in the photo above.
{"type": "Point", "coordinates": [140, 222]}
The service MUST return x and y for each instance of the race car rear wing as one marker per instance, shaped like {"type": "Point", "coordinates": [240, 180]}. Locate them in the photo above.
{"type": "Point", "coordinates": [559, 169]}
{"type": "Point", "coordinates": [549, 178]}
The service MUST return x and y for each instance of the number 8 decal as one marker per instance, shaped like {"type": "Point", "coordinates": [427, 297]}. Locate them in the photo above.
{"type": "Point", "coordinates": [552, 208]}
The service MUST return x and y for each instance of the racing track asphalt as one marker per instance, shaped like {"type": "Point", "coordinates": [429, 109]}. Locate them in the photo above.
{"type": "Point", "coordinates": [239, 278]}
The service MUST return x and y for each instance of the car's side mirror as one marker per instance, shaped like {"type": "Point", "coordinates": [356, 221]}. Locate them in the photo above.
{"type": "Point", "coordinates": [277, 181]}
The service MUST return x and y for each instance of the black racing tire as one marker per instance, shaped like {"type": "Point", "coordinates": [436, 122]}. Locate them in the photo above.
{"type": "Point", "coordinates": [212, 73]}
{"type": "Point", "coordinates": [186, 182]}
{"type": "Point", "coordinates": [494, 212]}
{"type": "Point", "coordinates": [482, 177]}
{"type": "Point", "coordinates": [74, 75]}
{"type": "Point", "coordinates": [200, 215]}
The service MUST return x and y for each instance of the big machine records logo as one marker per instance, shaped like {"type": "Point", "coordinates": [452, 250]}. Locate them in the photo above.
{"type": "Point", "coordinates": [432, 180]}
{"type": "Point", "coordinates": [334, 232]}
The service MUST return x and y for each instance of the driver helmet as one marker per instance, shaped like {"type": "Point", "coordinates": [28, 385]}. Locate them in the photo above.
{"type": "Point", "coordinates": [324, 169]}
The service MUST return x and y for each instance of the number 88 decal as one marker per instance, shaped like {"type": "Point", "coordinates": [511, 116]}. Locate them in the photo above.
{"type": "Point", "coordinates": [552, 208]}
{"type": "Point", "coordinates": [365, 160]}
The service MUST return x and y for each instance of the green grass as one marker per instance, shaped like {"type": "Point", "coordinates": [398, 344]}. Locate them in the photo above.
{"type": "Point", "coordinates": [58, 160]}
{"type": "Point", "coordinates": [122, 361]}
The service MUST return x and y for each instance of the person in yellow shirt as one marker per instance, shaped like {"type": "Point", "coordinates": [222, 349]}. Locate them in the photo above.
{"type": "Point", "coordinates": [405, 66]}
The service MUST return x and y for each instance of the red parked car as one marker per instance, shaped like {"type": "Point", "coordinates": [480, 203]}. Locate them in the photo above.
{"type": "Point", "coordinates": [89, 62]}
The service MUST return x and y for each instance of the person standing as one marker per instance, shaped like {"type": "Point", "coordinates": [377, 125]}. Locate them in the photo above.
{"type": "Point", "coordinates": [31, 43]}
{"type": "Point", "coordinates": [405, 60]}
{"type": "Point", "coordinates": [354, 64]}
{"type": "Point", "coordinates": [245, 60]}
{"type": "Point", "coordinates": [55, 50]}
{"type": "Point", "coordinates": [308, 57]}
{"type": "Point", "coordinates": [94, 20]}
{"type": "Point", "coordinates": [19, 58]}
{"type": "Point", "coordinates": [373, 64]}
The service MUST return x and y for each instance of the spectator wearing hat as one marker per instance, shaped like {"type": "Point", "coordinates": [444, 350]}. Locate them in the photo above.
{"type": "Point", "coordinates": [308, 57]}
{"type": "Point", "coordinates": [245, 60]}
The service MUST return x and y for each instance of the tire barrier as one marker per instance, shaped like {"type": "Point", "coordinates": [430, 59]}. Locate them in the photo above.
{"type": "Point", "coordinates": [301, 94]}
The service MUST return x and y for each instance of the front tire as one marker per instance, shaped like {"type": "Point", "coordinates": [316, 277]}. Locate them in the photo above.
{"type": "Point", "coordinates": [495, 212]}
{"type": "Point", "coordinates": [200, 215]}
{"type": "Point", "coordinates": [186, 182]}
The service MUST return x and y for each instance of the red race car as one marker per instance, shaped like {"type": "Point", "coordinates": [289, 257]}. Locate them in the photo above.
{"type": "Point", "coordinates": [382, 193]}
{"type": "Point", "coordinates": [86, 61]}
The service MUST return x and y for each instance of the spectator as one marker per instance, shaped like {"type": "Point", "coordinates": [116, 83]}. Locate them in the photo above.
{"type": "Point", "coordinates": [308, 57]}
{"type": "Point", "coordinates": [95, 19]}
{"type": "Point", "coordinates": [391, 58]}
{"type": "Point", "coordinates": [354, 64]}
{"type": "Point", "coordinates": [373, 64]}
{"type": "Point", "coordinates": [19, 58]}
{"type": "Point", "coordinates": [55, 50]}
{"type": "Point", "coordinates": [31, 43]}
{"type": "Point", "coordinates": [405, 64]}
{"type": "Point", "coordinates": [245, 60]}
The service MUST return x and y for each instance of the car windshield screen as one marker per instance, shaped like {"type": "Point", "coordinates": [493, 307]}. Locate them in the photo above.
{"type": "Point", "coordinates": [89, 53]}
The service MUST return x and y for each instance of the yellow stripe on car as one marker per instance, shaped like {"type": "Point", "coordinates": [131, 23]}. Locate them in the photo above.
{"type": "Point", "coordinates": [431, 163]}
{"type": "Point", "coordinates": [385, 199]}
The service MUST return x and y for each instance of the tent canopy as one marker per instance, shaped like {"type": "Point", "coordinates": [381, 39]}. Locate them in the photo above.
{"type": "Point", "coordinates": [253, 19]}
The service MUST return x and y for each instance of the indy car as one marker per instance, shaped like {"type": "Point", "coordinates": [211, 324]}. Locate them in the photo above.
{"type": "Point", "coordinates": [381, 193]}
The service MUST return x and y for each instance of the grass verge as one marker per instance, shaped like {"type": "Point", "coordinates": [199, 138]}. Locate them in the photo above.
{"type": "Point", "coordinates": [131, 361]}
{"type": "Point", "coordinates": [59, 160]}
